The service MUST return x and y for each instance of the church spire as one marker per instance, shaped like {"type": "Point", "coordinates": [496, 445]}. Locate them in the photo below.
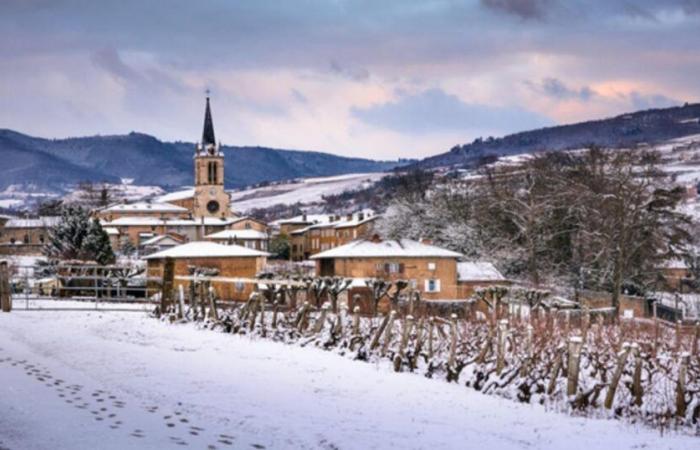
{"type": "Point", "coordinates": [208, 133]}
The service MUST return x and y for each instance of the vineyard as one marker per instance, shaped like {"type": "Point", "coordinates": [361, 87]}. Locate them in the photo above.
{"type": "Point", "coordinates": [635, 370]}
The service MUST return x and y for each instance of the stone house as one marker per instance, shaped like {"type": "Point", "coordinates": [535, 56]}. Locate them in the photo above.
{"type": "Point", "coordinates": [231, 261]}
{"type": "Point", "coordinates": [25, 236]}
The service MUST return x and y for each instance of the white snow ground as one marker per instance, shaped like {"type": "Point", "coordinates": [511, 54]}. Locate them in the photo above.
{"type": "Point", "coordinates": [65, 373]}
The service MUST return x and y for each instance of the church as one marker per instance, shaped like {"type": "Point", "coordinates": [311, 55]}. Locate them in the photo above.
{"type": "Point", "coordinates": [191, 215]}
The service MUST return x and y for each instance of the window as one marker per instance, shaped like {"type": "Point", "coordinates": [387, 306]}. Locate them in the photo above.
{"type": "Point", "coordinates": [432, 285]}
{"type": "Point", "coordinates": [211, 172]}
{"type": "Point", "coordinates": [247, 226]}
{"type": "Point", "coordinates": [240, 286]}
{"type": "Point", "coordinates": [26, 239]}
{"type": "Point", "coordinates": [431, 266]}
{"type": "Point", "coordinates": [390, 268]}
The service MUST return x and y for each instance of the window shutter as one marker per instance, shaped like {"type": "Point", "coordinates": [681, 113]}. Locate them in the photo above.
{"type": "Point", "coordinates": [437, 285]}
{"type": "Point", "coordinates": [427, 286]}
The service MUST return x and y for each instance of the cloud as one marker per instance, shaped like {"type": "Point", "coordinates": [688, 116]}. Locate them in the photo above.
{"type": "Point", "coordinates": [649, 101]}
{"type": "Point", "coordinates": [434, 111]}
{"type": "Point", "coordinates": [354, 74]}
{"type": "Point", "coordinates": [109, 60]}
{"type": "Point", "coordinates": [523, 9]}
{"type": "Point", "coordinates": [558, 90]}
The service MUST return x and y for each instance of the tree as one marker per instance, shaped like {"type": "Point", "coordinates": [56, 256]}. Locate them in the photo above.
{"type": "Point", "coordinates": [50, 207]}
{"type": "Point", "coordinates": [280, 247]}
{"type": "Point", "coordinates": [76, 236]}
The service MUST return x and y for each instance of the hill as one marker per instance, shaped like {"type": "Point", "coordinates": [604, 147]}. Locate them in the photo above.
{"type": "Point", "coordinates": [627, 130]}
{"type": "Point", "coordinates": [55, 164]}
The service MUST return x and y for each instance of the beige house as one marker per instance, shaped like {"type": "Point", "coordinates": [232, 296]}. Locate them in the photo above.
{"type": "Point", "coordinates": [157, 210]}
{"type": "Point", "coordinates": [231, 261]}
{"type": "Point", "coordinates": [25, 236]}
{"type": "Point", "coordinates": [249, 238]}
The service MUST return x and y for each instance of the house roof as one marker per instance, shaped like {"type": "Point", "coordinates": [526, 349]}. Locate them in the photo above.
{"type": "Point", "coordinates": [238, 234]}
{"type": "Point", "coordinates": [205, 249]}
{"type": "Point", "coordinates": [158, 240]}
{"type": "Point", "coordinates": [178, 195]}
{"type": "Point", "coordinates": [41, 222]}
{"type": "Point", "coordinates": [153, 221]}
{"type": "Point", "coordinates": [478, 271]}
{"type": "Point", "coordinates": [146, 207]}
{"type": "Point", "coordinates": [111, 230]}
{"type": "Point", "coordinates": [403, 248]}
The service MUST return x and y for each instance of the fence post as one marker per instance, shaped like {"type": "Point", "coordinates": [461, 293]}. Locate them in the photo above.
{"type": "Point", "coordinates": [575, 344]}
{"type": "Point", "coordinates": [678, 335]}
{"type": "Point", "coordinates": [656, 329]}
{"type": "Point", "coordinates": [637, 389]}
{"type": "Point", "coordinates": [167, 285]}
{"type": "Point", "coordinates": [680, 386]}
{"type": "Point", "coordinates": [696, 336]}
{"type": "Point", "coordinates": [181, 302]}
{"type": "Point", "coordinates": [388, 332]}
{"type": "Point", "coordinates": [356, 321]}
{"type": "Point", "coordinates": [318, 326]}
{"type": "Point", "coordinates": [213, 313]}
{"type": "Point", "coordinates": [621, 360]}
{"type": "Point", "coordinates": [501, 345]}
{"type": "Point", "coordinates": [453, 340]}
{"type": "Point", "coordinates": [5, 295]}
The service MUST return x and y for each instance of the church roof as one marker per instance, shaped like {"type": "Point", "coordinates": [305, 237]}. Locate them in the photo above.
{"type": "Point", "coordinates": [208, 133]}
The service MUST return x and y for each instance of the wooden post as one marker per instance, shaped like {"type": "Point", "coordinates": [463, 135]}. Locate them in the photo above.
{"type": "Point", "coordinates": [275, 311]}
{"type": "Point", "coordinates": [501, 345]}
{"type": "Point", "coordinates": [678, 335]}
{"type": "Point", "coordinates": [680, 386]}
{"type": "Point", "coordinates": [301, 320]}
{"type": "Point", "coordinates": [213, 313]}
{"type": "Point", "coordinates": [166, 296]}
{"type": "Point", "coordinates": [575, 344]}
{"type": "Point", "coordinates": [637, 390]}
{"type": "Point", "coordinates": [378, 333]}
{"type": "Point", "coordinates": [525, 368]}
{"type": "Point", "coordinates": [453, 340]}
{"type": "Point", "coordinates": [318, 326]}
{"type": "Point", "coordinates": [356, 321]}
{"type": "Point", "coordinates": [388, 332]}
{"type": "Point", "coordinates": [555, 370]}
{"type": "Point", "coordinates": [406, 332]}
{"type": "Point", "coordinates": [5, 294]}
{"type": "Point", "coordinates": [181, 302]}
{"type": "Point", "coordinates": [621, 360]}
{"type": "Point", "coordinates": [431, 325]}
{"type": "Point", "coordinates": [696, 337]}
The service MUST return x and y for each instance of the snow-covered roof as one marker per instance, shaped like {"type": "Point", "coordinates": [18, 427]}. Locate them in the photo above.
{"type": "Point", "coordinates": [206, 249]}
{"type": "Point", "coordinates": [159, 239]}
{"type": "Point", "coordinates": [179, 195]}
{"type": "Point", "coordinates": [154, 221]}
{"type": "Point", "coordinates": [403, 248]}
{"type": "Point", "coordinates": [478, 271]}
{"type": "Point", "coordinates": [306, 218]}
{"type": "Point", "coordinates": [675, 263]}
{"type": "Point", "coordinates": [41, 222]}
{"type": "Point", "coordinates": [146, 207]}
{"type": "Point", "coordinates": [356, 221]}
{"type": "Point", "coordinates": [111, 231]}
{"type": "Point", "coordinates": [238, 234]}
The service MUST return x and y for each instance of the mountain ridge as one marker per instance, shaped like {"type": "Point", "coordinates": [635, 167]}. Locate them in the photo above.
{"type": "Point", "coordinates": [54, 164]}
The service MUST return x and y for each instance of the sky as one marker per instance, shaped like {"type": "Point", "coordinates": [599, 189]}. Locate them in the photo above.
{"type": "Point", "coordinates": [380, 79]}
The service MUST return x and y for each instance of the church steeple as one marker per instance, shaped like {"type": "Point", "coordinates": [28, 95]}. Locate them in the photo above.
{"type": "Point", "coordinates": [208, 133]}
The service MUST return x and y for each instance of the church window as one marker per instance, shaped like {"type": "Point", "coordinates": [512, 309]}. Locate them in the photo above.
{"type": "Point", "coordinates": [212, 175]}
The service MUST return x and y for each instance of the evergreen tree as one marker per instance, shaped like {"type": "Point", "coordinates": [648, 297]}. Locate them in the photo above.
{"type": "Point", "coordinates": [76, 236]}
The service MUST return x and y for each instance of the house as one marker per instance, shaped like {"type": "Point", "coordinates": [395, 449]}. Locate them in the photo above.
{"type": "Point", "coordinates": [472, 275]}
{"type": "Point", "coordinates": [249, 238]}
{"type": "Point", "coordinates": [326, 232]}
{"type": "Point", "coordinates": [25, 236]}
{"type": "Point", "coordinates": [231, 261]}
{"type": "Point", "coordinates": [158, 210]}
{"type": "Point", "coordinates": [429, 269]}
{"type": "Point", "coordinates": [160, 243]}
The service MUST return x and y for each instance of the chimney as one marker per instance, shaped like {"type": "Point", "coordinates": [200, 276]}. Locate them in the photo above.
{"type": "Point", "coordinates": [361, 216]}
{"type": "Point", "coordinates": [426, 241]}
{"type": "Point", "coordinates": [375, 238]}
{"type": "Point", "coordinates": [303, 217]}
{"type": "Point", "coordinates": [349, 217]}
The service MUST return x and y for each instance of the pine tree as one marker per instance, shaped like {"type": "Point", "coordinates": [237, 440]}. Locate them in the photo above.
{"type": "Point", "coordinates": [96, 245]}
{"type": "Point", "coordinates": [76, 236]}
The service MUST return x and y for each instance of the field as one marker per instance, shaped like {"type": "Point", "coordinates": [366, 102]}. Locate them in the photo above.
{"type": "Point", "coordinates": [99, 379]}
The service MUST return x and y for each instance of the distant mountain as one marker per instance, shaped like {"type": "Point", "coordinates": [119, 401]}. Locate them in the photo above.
{"type": "Point", "coordinates": [54, 164]}
{"type": "Point", "coordinates": [650, 126]}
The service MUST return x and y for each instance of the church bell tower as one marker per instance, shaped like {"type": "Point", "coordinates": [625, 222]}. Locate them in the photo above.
{"type": "Point", "coordinates": [210, 198]}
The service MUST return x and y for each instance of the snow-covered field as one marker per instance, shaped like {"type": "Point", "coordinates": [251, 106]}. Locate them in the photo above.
{"type": "Point", "coordinates": [308, 190]}
{"type": "Point", "coordinates": [116, 380]}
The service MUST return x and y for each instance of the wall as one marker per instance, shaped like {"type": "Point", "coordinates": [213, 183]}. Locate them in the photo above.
{"type": "Point", "coordinates": [413, 269]}
{"type": "Point", "coordinates": [244, 267]}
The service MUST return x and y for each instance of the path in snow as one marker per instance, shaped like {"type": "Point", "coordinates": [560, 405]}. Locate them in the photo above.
{"type": "Point", "coordinates": [115, 380]}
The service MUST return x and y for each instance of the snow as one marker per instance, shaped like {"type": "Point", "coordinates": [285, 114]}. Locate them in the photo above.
{"type": "Point", "coordinates": [169, 240]}
{"type": "Point", "coordinates": [231, 391]}
{"type": "Point", "coordinates": [178, 195]}
{"type": "Point", "coordinates": [403, 248]}
{"type": "Point", "coordinates": [111, 231]}
{"type": "Point", "coordinates": [305, 191]}
{"type": "Point", "coordinates": [146, 206]}
{"type": "Point", "coordinates": [152, 221]}
{"type": "Point", "coordinates": [237, 234]}
{"type": "Point", "coordinates": [478, 271]}
{"type": "Point", "coordinates": [204, 249]}
{"type": "Point", "coordinates": [42, 222]}
{"type": "Point", "coordinates": [10, 203]}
